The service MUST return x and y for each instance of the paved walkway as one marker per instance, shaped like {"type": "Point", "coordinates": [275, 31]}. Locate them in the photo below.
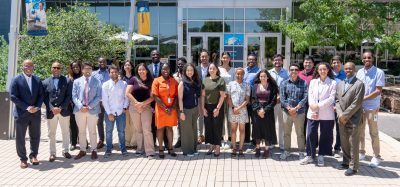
{"type": "Point", "coordinates": [201, 170]}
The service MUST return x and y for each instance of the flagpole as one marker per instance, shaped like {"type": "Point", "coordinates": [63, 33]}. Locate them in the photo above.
{"type": "Point", "coordinates": [13, 36]}
{"type": "Point", "coordinates": [130, 31]}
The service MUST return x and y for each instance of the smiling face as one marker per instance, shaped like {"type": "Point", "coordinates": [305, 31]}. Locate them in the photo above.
{"type": "Point", "coordinates": [204, 58]}
{"type": "Point", "coordinates": [28, 67]}
{"type": "Point", "coordinates": [212, 69]}
{"type": "Point", "coordinates": [239, 75]}
{"type": "Point", "coordinates": [102, 63]}
{"type": "Point", "coordinates": [308, 65]}
{"type": "Point", "coordinates": [127, 67]}
{"type": "Point", "coordinates": [165, 71]}
{"type": "Point", "coordinates": [367, 59]}
{"type": "Point", "coordinates": [294, 72]}
{"type": "Point", "coordinates": [189, 71]}
{"type": "Point", "coordinates": [226, 59]}
{"type": "Point", "coordinates": [263, 78]}
{"type": "Point", "coordinates": [155, 56]}
{"type": "Point", "coordinates": [323, 71]}
{"type": "Point", "coordinates": [278, 61]}
{"type": "Point", "coordinates": [349, 69]}
{"type": "Point", "coordinates": [142, 72]}
{"type": "Point", "coordinates": [76, 69]}
{"type": "Point", "coordinates": [180, 65]}
{"type": "Point", "coordinates": [56, 69]}
{"type": "Point", "coordinates": [251, 61]}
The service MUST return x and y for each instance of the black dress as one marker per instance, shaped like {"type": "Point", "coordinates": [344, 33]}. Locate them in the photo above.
{"type": "Point", "coordinates": [264, 128]}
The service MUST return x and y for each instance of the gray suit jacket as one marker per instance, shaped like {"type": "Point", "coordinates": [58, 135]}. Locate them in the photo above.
{"type": "Point", "coordinates": [150, 66]}
{"type": "Point", "coordinates": [349, 102]}
{"type": "Point", "coordinates": [78, 90]}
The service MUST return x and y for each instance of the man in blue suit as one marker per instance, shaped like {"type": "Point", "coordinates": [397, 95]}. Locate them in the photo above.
{"type": "Point", "coordinates": [57, 96]}
{"type": "Point", "coordinates": [86, 95]}
{"type": "Point", "coordinates": [26, 93]}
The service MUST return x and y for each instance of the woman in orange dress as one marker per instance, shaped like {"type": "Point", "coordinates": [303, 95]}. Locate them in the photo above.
{"type": "Point", "coordinates": [165, 93]}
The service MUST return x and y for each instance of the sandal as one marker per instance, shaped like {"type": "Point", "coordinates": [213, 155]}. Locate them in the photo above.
{"type": "Point", "coordinates": [241, 153]}
{"type": "Point", "coordinates": [216, 153]}
{"type": "Point", "coordinates": [161, 153]}
{"type": "Point", "coordinates": [234, 152]}
{"type": "Point", "coordinates": [171, 152]}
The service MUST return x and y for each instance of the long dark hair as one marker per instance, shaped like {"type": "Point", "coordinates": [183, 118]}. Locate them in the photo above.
{"type": "Point", "coordinates": [149, 78]}
{"type": "Point", "coordinates": [71, 73]}
{"type": "Point", "coordinates": [330, 73]}
{"type": "Point", "coordinates": [271, 81]}
{"type": "Point", "coordinates": [195, 78]}
{"type": "Point", "coordinates": [208, 69]}
{"type": "Point", "coordinates": [123, 72]}
{"type": "Point", "coordinates": [222, 55]}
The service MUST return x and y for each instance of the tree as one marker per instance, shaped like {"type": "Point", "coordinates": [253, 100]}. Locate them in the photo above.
{"type": "Point", "coordinates": [74, 34]}
{"type": "Point", "coordinates": [3, 63]}
{"type": "Point", "coordinates": [341, 22]}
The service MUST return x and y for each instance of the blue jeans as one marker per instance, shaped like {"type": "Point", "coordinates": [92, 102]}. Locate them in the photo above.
{"type": "Point", "coordinates": [120, 122]}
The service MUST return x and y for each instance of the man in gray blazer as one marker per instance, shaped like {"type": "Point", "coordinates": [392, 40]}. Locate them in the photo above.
{"type": "Point", "coordinates": [349, 95]}
{"type": "Point", "coordinates": [86, 95]}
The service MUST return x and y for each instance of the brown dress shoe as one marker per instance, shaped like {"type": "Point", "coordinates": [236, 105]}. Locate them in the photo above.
{"type": "Point", "coordinates": [67, 155]}
{"type": "Point", "coordinates": [94, 155]}
{"type": "Point", "coordinates": [34, 161]}
{"type": "Point", "coordinates": [100, 144]}
{"type": "Point", "coordinates": [23, 164]}
{"type": "Point", "coordinates": [52, 158]}
{"type": "Point", "coordinates": [80, 155]}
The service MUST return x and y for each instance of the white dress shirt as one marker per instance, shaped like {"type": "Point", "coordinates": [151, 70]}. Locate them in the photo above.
{"type": "Point", "coordinates": [323, 94]}
{"type": "Point", "coordinates": [113, 97]}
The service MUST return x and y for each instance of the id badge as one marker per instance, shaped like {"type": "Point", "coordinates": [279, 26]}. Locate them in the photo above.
{"type": "Point", "coordinates": [376, 117]}
{"type": "Point", "coordinates": [169, 100]}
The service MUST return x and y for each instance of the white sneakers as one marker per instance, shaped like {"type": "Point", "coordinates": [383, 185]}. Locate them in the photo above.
{"type": "Point", "coordinates": [307, 160]}
{"type": "Point", "coordinates": [284, 155]}
{"type": "Point", "coordinates": [226, 145]}
{"type": "Point", "coordinates": [375, 161]}
{"type": "Point", "coordinates": [362, 156]}
{"type": "Point", "coordinates": [337, 154]}
{"type": "Point", "coordinates": [301, 156]}
{"type": "Point", "coordinates": [321, 161]}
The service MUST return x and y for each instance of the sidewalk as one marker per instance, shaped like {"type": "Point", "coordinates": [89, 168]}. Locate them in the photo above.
{"type": "Point", "coordinates": [201, 170]}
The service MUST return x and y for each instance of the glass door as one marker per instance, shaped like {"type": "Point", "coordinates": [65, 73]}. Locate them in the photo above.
{"type": "Point", "coordinates": [265, 46]}
{"type": "Point", "coordinates": [213, 43]}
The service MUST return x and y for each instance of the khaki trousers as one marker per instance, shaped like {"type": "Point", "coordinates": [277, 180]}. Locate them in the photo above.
{"type": "Point", "coordinates": [52, 129]}
{"type": "Point", "coordinates": [89, 121]}
{"type": "Point", "coordinates": [278, 114]}
{"type": "Point", "coordinates": [370, 117]}
{"type": "Point", "coordinates": [299, 127]}
{"type": "Point", "coordinates": [142, 124]}
{"type": "Point", "coordinates": [130, 131]}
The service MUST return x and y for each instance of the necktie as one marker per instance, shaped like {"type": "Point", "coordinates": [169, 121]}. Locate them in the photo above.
{"type": "Point", "coordinates": [86, 97]}
{"type": "Point", "coordinates": [346, 84]}
{"type": "Point", "coordinates": [155, 70]}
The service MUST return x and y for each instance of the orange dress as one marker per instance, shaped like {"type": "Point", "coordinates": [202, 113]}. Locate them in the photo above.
{"type": "Point", "coordinates": [167, 91]}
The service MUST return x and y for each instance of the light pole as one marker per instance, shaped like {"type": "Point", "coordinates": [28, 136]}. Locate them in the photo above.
{"type": "Point", "coordinates": [13, 36]}
{"type": "Point", "coordinates": [130, 31]}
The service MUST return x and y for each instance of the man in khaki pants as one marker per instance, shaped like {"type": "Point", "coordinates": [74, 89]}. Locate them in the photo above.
{"type": "Point", "coordinates": [57, 96]}
{"type": "Point", "coordinates": [373, 79]}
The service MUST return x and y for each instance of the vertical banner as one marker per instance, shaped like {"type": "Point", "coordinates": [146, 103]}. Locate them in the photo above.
{"type": "Point", "coordinates": [36, 17]}
{"type": "Point", "coordinates": [143, 15]}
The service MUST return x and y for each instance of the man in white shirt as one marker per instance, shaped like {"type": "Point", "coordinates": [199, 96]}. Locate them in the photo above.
{"type": "Point", "coordinates": [115, 104]}
{"type": "Point", "coordinates": [279, 74]}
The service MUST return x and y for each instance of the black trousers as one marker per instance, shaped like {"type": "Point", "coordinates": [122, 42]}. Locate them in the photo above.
{"type": "Point", "coordinates": [73, 127]}
{"type": "Point", "coordinates": [213, 125]}
{"type": "Point", "coordinates": [31, 121]}
{"type": "Point", "coordinates": [337, 144]}
{"type": "Point", "coordinates": [100, 123]}
{"type": "Point", "coordinates": [247, 131]}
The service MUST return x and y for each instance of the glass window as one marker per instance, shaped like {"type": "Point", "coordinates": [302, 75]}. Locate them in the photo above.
{"type": "Point", "coordinates": [205, 26]}
{"type": "Point", "coordinates": [167, 49]}
{"type": "Point", "coordinates": [205, 13]}
{"type": "Point", "coordinates": [103, 12]}
{"type": "Point", "coordinates": [168, 22]}
{"type": "Point", "coordinates": [184, 27]}
{"type": "Point", "coordinates": [263, 13]}
{"type": "Point", "coordinates": [261, 26]}
{"type": "Point", "coordinates": [153, 26]}
{"type": "Point", "coordinates": [234, 26]}
{"type": "Point", "coordinates": [184, 13]}
{"type": "Point", "coordinates": [234, 13]}
{"type": "Point", "coordinates": [119, 15]}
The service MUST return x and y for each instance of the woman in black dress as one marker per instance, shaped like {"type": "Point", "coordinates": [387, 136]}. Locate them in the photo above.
{"type": "Point", "coordinates": [263, 100]}
{"type": "Point", "coordinates": [74, 72]}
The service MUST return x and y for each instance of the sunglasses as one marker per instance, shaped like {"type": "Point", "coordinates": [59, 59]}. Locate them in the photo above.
{"type": "Point", "coordinates": [294, 69]}
{"type": "Point", "coordinates": [56, 67]}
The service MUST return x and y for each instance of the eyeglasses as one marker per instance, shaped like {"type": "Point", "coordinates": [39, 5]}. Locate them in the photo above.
{"type": "Point", "coordinates": [294, 69]}
{"type": "Point", "coordinates": [29, 67]}
{"type": "Point", "coordinates": [56, 67]}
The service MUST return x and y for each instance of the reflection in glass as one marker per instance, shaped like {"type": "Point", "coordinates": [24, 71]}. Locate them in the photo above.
{"type": "Point", "coordinates": [205, 26]}
{"type": "Point", "coordinates": [234, 26]}
{"type": "Point", "coordinates": [167, 50]}
{"type": "Point", "coordinates": [103, 13]}
{"type": "Point", "coordinates": [213, 48]}
{"type": "Point", "coordinates": [153, 26]}
{"type": "Point", "coordinates": [205, 13]}
{"type": "Point", "coordinates": [270, 50]}
{"type": "Point", "coordinates": [237, 64]}
{"type": "Point", "coordinates": [196, 44]}
{"type": "Point", "coordinates": [263, 13]}
{"type": "Point", "coordinates": [261, 26]}
{"type": "Point", "coordinates": [119, 15]}
{"type": "Point", "coordinates": [234, 13]}
{"type": "Point", "coordinates": [253, 46]}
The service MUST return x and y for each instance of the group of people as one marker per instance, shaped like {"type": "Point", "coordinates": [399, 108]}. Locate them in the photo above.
{"type": "Point", "coordinates": [145, 103]}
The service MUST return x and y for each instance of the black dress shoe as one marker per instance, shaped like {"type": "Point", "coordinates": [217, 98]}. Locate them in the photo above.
{"type": "Point", "coordinates": [350, 172]}
{"type": "Point", "coordinates": [100, 144]}
{"type": "Point", "coordinates": [178, 144]}
{"type": "Point", "coordinates": [34, 161]}
{"type": "Point", "coordinates": [94, 155]}
{"type": "Point", "coordinates": [67, 155]}
{"type": "Point", "coordinates": [342, 167]}
{"type": "Point", "coordinates": [80, 155]}
{"type": "Point", "coordinates": [52, 158]}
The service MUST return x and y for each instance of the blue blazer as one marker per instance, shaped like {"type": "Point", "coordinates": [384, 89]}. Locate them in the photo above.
{"type": "Point", "coordinates": [23, 98]}
{"type": "Point", "coordinates": [78, 90]}
{"type": "Point", "coordinates": [57, 98]}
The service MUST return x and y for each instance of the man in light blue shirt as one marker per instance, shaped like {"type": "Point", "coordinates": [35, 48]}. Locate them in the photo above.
{"type": "Point", "coordinates": [250, 74]}
{"type": "Point", "coordinates": [102, 75]}
{"type": "Point", "coordinates": [373, 79]}
{"type": "Point", "coordinates": [279, 74]}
